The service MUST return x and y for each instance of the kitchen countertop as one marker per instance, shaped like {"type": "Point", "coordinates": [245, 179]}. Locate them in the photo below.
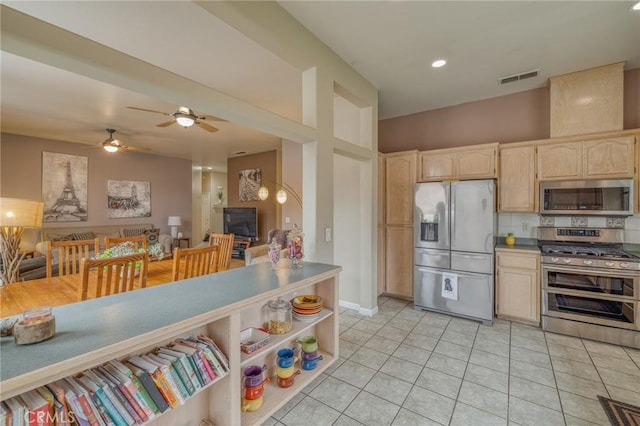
{"type": "Point", "coordinates": [522, 244]}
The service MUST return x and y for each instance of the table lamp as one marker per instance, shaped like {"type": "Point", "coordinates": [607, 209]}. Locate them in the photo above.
{"type": "Point", "coordinates": [174, 222]}
{"type": "Point", "coordinates": [15, 215]}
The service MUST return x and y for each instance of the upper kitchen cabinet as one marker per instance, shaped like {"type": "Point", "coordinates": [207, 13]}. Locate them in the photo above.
{"type": "Point", "coordinates": [592, 159]}
{"type": "Point", "coordinates": [469, 162]}
{"type": "Point", "coordinates": [400, 181]}
{"type": "Point", "coordinates": [517, 181]}
{"type": "Point", "coordinates": [609, 158]}
{"type": "Point", "coordinates": [560, 161]}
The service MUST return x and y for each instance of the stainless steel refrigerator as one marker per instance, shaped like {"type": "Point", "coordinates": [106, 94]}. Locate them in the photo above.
{"type": "Point", "coordinates": [455, 226]}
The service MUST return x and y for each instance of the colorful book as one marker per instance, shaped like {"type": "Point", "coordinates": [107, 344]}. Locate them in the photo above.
{"type": "Point", "coordinates": [178, 363]}
{"type": "Point", "coordinates": [210, 361]}
{"type": "Point", "coordinates": [48, 396]}
{"type": "Point", "coordinates": [98, 377]}
{"type": "Point", "coordinates": [149, 385]}
{"type": "Point", "coordinates": [186, 363]}
{"type": "Point", "coordinates": [172, 376]}
{"type": "Point", "coordinates": [158, 378]}
{"type": "Point", "coordinates": [76, 411]}
{"type": "Point", "coordinates": [146, 403]}
{"type": "Point", "coordinates": [216, 351]}
{"type": "Point", "coordinates": [117, 390]}
{"type": "Point", "coordinates": [38, 411]}
{"type": "Point", "coordinates": [98, 391]}
{"type": "Point", "coordinates": [62, 407]}
{"type": "Point", "coordinates": [131, 392]}
{"type": "Point", "coordinates": [86, 403]}
{"type": "Point", "coordinates": [196, 357]}
{"type": "Point", "coordinates": [18, 409]}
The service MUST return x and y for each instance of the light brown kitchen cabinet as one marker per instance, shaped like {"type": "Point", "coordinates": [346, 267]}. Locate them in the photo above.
{"type": "Point", "coordinates": [469, 162]}
{"type": "Point", "coordinates": [560, 161]}
{"type": "Point", "coordinates": [399, 257]}
{"type": "Point", "coordinates": [381, 234]}
{"type": "Point", "coordinates": [610, 158]}
{"type": "Point", "coordinates": [400, 181]}
{"type": "Point", "coordinates": [517, 181]}
{"type": "Point", "coordinates": [518, 285]}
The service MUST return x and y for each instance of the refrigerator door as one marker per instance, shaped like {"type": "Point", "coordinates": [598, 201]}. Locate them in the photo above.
{"type": "Point", "coordinates": [474, 298]}
{"type": "Point", "coordinates": [433, 258]}
{"type": "Point", "coordinates": [473, 216]}
{"type": "Point", "coordinates": [481, 263]}
{"type": "Point", "coordinates": [432, 215]}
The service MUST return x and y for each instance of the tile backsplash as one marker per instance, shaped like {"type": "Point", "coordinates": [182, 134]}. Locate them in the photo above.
{"type": "Point", "coordinates": [526, 225]}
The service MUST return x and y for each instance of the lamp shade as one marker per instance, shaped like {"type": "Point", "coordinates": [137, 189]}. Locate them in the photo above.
{"type": "Point", "coordinates": [263, 193]}
{"type": "Point", "coordinates": [20, 212]}
{"type": "Point", "coordinates": [175, 221]}
{"type": "Point", "coordinates": [281, 196]}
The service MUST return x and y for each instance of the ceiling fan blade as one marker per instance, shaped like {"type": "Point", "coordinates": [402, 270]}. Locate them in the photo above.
{"type": "Point", "coordinates": [212, 118]}
{"type": "Point", "coordinates": [166, 123]}
{"type": "Point", "coordinates": [206, 127]}
{"type": "Point", "coordinates": [136, 148]}
{"type": "Point", "coordinates": [149, 110]}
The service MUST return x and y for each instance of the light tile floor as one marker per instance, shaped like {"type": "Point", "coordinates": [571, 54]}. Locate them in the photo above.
{"type": "Point", "coordinates": [405, 367]}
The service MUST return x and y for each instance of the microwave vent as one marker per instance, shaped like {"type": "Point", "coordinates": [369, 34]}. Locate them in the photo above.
{"type": "Point", "coordinates": [518, 77]}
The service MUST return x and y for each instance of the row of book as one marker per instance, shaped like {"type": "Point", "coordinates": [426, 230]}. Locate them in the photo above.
{"type": "Point", "coordinates": [122, 393]}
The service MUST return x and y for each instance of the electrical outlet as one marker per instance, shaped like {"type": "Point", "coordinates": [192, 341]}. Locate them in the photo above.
{"type": "Point", "coordinates": [525, 226]}
{"type": "Point", "coordinates": [327, 235]}
{"type": "Point", "coordinates": [287, 219]}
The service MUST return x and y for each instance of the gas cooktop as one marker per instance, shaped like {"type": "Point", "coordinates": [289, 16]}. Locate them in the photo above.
{"type": "Point", "coordinates": [577, 250]}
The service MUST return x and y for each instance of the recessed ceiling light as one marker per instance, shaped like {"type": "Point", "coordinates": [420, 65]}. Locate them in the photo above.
{"type": "Point", "coordinates": [439, 63]}
{"type": "Point", "coordinates": [636, 7]}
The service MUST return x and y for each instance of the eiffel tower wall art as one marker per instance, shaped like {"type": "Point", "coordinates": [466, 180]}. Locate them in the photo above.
{"type": "Point", "coordinates": [127, 198]}
{"type": "Point", "coordinates": [64, 187]}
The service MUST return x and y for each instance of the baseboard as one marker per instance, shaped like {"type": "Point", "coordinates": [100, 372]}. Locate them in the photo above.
{"type": "Point", "coordinates": [356, 307]}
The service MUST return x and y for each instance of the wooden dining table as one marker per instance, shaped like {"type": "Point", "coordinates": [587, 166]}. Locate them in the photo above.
{"type": "Point", "coordinates": [17, 297]}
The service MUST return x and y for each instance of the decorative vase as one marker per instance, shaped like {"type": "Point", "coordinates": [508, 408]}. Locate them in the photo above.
{"type": "Point", "coordinates": [274, 251]}
{"type": "Point", "coordinates": [510, 239]}
{"type": "Point", "coordinates": [295, 246]}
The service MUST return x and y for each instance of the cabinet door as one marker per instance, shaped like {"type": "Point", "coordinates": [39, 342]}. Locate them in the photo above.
{"type": "Point", "coordinates": [476, 164]}
{"type": "Point", "coordinates": [381, 259]}
{"type": "Point", "coordinates": [399, 257]}
{"type": "Point", "coordinates": [609, 158]}
{"type": "Point", "coordinates": [437, 166]}
{"type": "Point", "coordinates": [560, 161]}
{"type": "Point", "coordinates": [400, 180]}
{"type": "Point", "coordinates": [517, 182]}
{"type": "Point", "coordinates": [517, 294]}
{"type": "Point", "coordinates": [381, 191]}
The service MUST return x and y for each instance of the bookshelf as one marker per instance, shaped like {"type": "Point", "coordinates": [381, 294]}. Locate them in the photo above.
{"type": "Point", "coordinates": [93, 332]}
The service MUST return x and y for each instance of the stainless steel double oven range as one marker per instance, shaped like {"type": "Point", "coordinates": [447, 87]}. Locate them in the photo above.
{"type": "Point", "coordinates": [590, 285]}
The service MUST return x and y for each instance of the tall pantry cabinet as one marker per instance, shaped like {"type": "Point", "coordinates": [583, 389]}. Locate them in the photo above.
{"type": "Point", "coordinates": [400, 173]}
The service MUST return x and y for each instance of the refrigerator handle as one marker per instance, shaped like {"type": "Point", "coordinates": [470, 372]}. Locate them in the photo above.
{"type": "Point", "coordinates": [452, 214]}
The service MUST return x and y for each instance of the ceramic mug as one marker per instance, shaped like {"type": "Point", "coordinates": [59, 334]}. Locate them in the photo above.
{"type": "Point", "coordinates": [286, 358]}
{"type": "Point", "coordinates": [253, 376]}
{"type": "Point", "coordinates": [285, 373]}
{"type": "Point", "coordinates": [251, 404]}
{"type": "Point", "coordinates": [309, 343]}
{"type": "Point", "coordinates": [288, 382]}
{"type": "Point", "coordinates": [310, 364]}
{"type": "Point", "coordinates": [254, 393]}
{"type": "Point", "coordinates": [309, 355]}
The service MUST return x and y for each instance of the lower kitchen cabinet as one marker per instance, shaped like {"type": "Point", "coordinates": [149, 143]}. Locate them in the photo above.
{"type": "Point", "coordinates": [399, 261]}
{"type": "Point", "coordinates": [518, 285]}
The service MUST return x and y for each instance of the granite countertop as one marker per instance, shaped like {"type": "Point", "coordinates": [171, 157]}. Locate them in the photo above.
{"type": "Point", "coordinates": [524, 244]}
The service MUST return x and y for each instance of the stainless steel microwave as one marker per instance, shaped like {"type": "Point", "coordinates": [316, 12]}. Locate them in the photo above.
{"type": "Point", "coordinates": [587, 197]}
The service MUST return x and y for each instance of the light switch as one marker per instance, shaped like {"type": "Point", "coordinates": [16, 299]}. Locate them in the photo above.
{"type": "Point", "coordinates": [287, 219]}
{"type": "Point", "coordinates": [327, 235]}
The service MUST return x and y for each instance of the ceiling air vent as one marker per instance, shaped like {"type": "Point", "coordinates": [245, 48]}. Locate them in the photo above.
{"type": "Point", "coordinates": [517, 77]}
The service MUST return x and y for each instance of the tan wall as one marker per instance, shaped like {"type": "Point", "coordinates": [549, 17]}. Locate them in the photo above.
{"type": "Point", "coordinates": [518, 117]}
{"type": "Point", "coordinates": [170, 179]}
{"type": "Point", "coordinates": [268, 211]}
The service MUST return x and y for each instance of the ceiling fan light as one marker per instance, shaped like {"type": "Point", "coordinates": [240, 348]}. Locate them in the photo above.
{"type": "Point", "coordinates": [184, 120]}
{"type": "Point", "coordinates": [110, 146]}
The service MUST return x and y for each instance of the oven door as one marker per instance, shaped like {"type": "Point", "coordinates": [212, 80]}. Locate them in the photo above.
{"type": "Point", "coordinates": [595, 296]}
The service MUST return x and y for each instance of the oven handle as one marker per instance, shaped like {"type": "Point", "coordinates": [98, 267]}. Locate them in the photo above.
{"type": "Point", "coordinates": [591, 271]}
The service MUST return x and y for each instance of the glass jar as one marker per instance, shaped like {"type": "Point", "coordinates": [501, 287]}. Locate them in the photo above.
{"type": "Point", "coordinates": [295, 246]}
{"type": "Point", "coordinates": [280, 320]}
{"type": "Point", "coordinates": [37, 315]}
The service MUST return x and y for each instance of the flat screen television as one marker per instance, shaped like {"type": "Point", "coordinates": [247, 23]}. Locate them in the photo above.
{"type": "Point", "coordinates": [242, 222]}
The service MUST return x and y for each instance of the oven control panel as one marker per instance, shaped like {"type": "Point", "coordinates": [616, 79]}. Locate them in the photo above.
{"type": "Point", "coordinates": [568, 232]}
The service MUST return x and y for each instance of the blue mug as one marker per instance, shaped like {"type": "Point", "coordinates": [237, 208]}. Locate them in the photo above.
{"type": "Point", "coordinates": [286, 358]}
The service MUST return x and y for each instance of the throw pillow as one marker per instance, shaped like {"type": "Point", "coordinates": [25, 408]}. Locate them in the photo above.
{"type": "Point", "coordinates": [83, 235]}
{"type": "Point", "coordinates": [152, 235]}
{"type": "Point", "coordinates": [133, 232]}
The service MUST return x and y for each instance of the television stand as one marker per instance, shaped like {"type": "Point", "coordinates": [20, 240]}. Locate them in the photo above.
{"type": "Point", "coordinates": [239, 246]}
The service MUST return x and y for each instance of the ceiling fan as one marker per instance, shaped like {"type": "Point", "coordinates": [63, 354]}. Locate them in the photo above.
{"type": "Point", "coordinates": [112, 145]}
{"type": "Point", "coordinates": [185, 117]}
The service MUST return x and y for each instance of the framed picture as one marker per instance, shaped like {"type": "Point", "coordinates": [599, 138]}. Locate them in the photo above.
{"type": "Point", "coordinates": [64, 187]}
{"type": "Point", "coordinates": [128, 198]}
{"type": "Point", "coordinates": [249, 184]}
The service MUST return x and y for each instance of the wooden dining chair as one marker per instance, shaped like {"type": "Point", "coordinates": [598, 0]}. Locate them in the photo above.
{"type": "Point", "coordinates": [69, 254]}
{"type": "Point", "coordinates": [140, 241]}
{"type": "Point", "coordinates": [225, 244]}
{"type": "Point", "coordinates": [113, 275]}
{"type": "Point", "coordinates": [193, 262]}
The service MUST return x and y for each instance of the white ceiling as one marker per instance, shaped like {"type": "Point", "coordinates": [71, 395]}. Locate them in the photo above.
{"type": "Point", "coordinates": [390, 43]}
